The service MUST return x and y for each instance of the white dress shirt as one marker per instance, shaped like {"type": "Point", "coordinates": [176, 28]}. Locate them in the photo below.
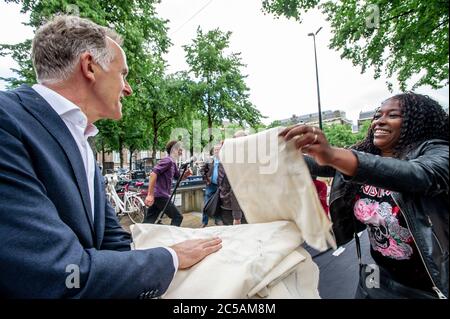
{"type": "Point", "coordinates": [77, 123]}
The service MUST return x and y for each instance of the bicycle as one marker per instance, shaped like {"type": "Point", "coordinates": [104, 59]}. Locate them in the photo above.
{"type": "Point", "coordinates": [131, 205]}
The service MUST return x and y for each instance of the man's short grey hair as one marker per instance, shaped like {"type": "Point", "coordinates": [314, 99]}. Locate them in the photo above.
{"type": "Point", "coordinates": [58, 45]}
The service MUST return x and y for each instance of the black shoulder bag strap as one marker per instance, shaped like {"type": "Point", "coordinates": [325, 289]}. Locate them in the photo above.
{"type": "Point", "coordinates": [357, 243]}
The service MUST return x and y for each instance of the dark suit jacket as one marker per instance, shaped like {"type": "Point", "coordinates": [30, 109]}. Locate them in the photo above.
{"type": "Point", "coordinates": [46, 226]}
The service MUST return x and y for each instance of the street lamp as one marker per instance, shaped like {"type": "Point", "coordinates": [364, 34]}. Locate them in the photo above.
{"type": "Point", "coordinates": [317, 76]}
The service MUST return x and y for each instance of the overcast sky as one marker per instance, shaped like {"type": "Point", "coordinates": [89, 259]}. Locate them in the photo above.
{"type": "Point", "coordinates": [278, 53]}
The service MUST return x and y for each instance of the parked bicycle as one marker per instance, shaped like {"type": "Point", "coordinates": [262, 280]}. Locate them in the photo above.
{"type": "Point", "coordinates": [130, 205]}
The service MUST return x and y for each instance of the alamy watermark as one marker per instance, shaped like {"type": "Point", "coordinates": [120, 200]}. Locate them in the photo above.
{"type": "Point", "coordinates": [261, 148]}
{"type": "Point", "coordinates": [373, 16]}
{"type": "Point", "coordinates": [73, 278]}
{"type": "Point", "coordinates": [73, 10]}
{"type": "Point", "coordinates": [373, 277]}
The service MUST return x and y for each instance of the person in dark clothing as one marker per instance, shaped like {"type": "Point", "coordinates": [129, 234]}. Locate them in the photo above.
{"type": "Point", "coordinates": [160, 184]}
{"type": "Point", "coordinates": [394, 183]}
{"type": "Point", "coordinates": [229, 209]}
{"type": "Point", "coordinates": [210, 173]}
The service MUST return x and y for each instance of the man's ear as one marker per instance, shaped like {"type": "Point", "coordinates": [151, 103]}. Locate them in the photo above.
{"type": "Point", "coordinates": [88, 66]}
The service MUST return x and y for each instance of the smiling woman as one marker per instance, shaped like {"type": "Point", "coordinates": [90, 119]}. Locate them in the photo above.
{"type": "Point", "coordinates": [400, 197]}
{"type": "Point", "coordinates": [386, 126]}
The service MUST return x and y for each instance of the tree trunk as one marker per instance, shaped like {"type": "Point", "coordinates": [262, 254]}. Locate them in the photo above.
{"type": "Point", "coordinates": [210, 128]}
{"type": "Point", "coordinates": [103, 158]}
{"type": "Point", "coordinates": [155, 138]}
{"type": "Point", "coordinates": [120, 152]}
{"type": "Point", "coordinates": [91, 142]}
{"type": "Point", "coordinates": [208, 106]}
{"type": "Point", "coordinates": [131, 158]}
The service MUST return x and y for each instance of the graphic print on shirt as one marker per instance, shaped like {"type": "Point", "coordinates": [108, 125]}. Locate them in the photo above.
{"type": "Point", "coordinates": [376, 209]}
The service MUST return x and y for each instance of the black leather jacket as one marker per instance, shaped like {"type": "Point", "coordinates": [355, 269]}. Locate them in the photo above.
{"type": "Point", "coordinates": [420, 187]}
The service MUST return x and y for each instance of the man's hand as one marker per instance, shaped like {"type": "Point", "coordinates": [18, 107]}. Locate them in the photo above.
{"type": "Point", "coordinates": [236, 221]}
{"type": "Point", "coordinates": [149, 200]}
{"type": "Point", "coordinates": [192, 251]}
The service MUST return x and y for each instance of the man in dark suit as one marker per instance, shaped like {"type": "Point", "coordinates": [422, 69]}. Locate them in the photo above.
{"type": "Point", "coordinates": [60, 237]}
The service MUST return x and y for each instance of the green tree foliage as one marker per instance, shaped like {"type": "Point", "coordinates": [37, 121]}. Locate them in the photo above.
{"type": "Point", "coordinates": [275, 123]}
{"type": "Point", "coordinates": [167, 106]}
{"type": "Point", "coordinates": [21, 54]}
{"type": "Point", "coordinates": [363, 130]}
{"type": "Point", "coordinates": [405, 39]}
{"type": "Point", "coordinates": [136, 21]}
{"type": "Point", "coordinates": [339, 135]}
{"type": "Point", "coordinates": [221, 92]}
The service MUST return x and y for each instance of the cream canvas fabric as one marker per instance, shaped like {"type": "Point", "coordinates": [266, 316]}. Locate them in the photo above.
{"type": "Point", "coordinates": [262, 259]}
{"type": "Point", "coordinates": [256, 261]}
{"type": "Point", "coordinates": [272, 182]}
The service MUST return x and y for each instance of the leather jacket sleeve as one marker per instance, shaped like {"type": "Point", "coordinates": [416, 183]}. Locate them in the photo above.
{"type": "Point", "coordinates": [317, 170]}
{"type": "Point", "coordinates": [425, 173]}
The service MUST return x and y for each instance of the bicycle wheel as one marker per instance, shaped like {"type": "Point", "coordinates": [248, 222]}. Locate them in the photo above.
{"type": "Point", "coordinates": [135, 208]}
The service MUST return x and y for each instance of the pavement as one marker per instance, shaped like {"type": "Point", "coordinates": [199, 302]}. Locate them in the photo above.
{"type": "Point", "coordinates": [339, 269]}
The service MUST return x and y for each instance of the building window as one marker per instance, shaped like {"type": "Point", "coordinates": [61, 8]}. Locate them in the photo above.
{"type": "Point", "coordinates": [144, 154]}
{"type": "Point", "coordinates": [116, 157]}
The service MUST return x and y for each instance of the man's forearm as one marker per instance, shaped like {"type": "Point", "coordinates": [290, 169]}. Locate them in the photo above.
{"type": "Point", "coordinates": [152, 183]}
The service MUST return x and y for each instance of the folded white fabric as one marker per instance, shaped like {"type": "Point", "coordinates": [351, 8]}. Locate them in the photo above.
{"type": "Point", "coordinates": [253, 258]}
{"type": "Point", "coordinates": [272, 182]}
{"type": "Point", "coordinates": [301, 283]}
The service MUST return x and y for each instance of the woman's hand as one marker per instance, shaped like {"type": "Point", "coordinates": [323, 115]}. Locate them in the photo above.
{"type": "Point", "coordinates": [312, 141]}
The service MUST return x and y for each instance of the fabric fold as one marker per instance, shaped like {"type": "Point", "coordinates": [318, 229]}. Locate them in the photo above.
{"type": "Point", "coordinates": [271, 182]}
{"type": "Point", "coordinates": [278, 272]}
{"type": "Point", "coordinates": [250, 253]}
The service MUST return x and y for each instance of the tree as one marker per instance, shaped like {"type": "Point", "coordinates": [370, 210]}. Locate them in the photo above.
{"type": "Point", "coordinates": [136, 21]}
{"type": "Point", "coordinates": [363, 130]}
{"type": "Point", "coordinates": [221, 92]}
{"type": "Point", "coordinates": [165, 104]}
{"type": "Point", "coordinates": [21, 54]}
{"type": "Point", "coordinates": [339, 135]}
{"type": "Point", "coordinates": [133, 129]}
{"type": "Point", "coordinates": [275, 123]}
{"type": "Point", "coordinates": [406, 39]}
{"type": "Point", "coordinates": [107, 139]}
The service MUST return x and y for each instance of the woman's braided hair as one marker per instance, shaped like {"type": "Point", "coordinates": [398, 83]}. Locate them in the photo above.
{"type": "Point", "coordinates": [423, 119]}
